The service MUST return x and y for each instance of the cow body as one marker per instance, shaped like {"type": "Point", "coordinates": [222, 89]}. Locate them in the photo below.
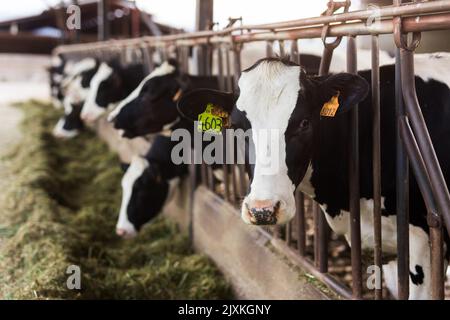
{"type": "Point", "coordinates": [76, 86]}
{"type": "Point", "coordinates": [312, 151]}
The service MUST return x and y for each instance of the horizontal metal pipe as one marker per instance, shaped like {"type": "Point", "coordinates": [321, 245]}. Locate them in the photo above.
{"type": "Point", "coordinates": [388, 11]}
{"type": "Point", "coordinates": [410, 24]}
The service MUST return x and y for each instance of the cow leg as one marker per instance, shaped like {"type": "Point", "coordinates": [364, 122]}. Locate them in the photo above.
{"type": "Point", "coordinates": [419, 267]}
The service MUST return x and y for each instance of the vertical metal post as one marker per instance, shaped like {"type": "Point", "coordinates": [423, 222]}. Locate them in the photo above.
{"type": "Point", "coordinates": [269, 49]}
{"type": "Point", "coordinates": [321, 229]}
{"type": "Point", "coordinates": [402, 187]}
{"type": "Point", "coordinates": [376, 154]}
{"type": "Point", "coordinates": [355, 225]}
{"type": "Point", "coordinates": [301, 226]}
{"type": "Point", "coordinates": [295, 56]}
{"type": "Point", "coordinates": [102, 20]}
{"type": "Point", "coordinates": [282, 49]}
{"type": "Point", "coordinates": [204, 19]}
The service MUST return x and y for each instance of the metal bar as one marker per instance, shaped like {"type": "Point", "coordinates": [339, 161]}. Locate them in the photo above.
{"type": "Point", "coordinates": [269, 49]}
{"type": "Point", "coordinates": [220, 68]}
{"type": "Point", "coordinates": [326, 60]}
{"type": "Point", "coordinates": [387, 11]}
{"type": "Point", "coordinates": [301, 226]}
{"type": "Point", "coordinates": [439, 21]}
{"type": "Point", "coordinates": [434, 221]}
{"type": "Point", "coordinates": [282, 49]}
{"type": "Point", "coordinates": [402, 187]}
{"type": "Point", "coordinates": [295, 56]}
{"type": "Point", "coordinates": [193, 184]}
{"type": "Point", "coordinates": [437, 264]}
{"type": "Point", "coordinates": [355, 224]}
{"type": "Point", "coordinates": [288, 235]}
{"type": "Point", "coordinates": [102, 20]}
{"type": "Point", "coordinates": [423, 138]}
{"type": "Point", "coordinates": [228, 78]}
{"type": "Point", "coordinates": [320, 225]}
{"type": "Point", "coordinates": [376, 153]}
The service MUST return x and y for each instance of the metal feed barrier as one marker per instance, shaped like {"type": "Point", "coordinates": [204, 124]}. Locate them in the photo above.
{"type": "Point", "coordinates": [414, 147]}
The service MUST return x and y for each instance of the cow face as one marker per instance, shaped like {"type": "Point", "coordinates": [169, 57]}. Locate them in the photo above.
{"type": "Point", "coordinates": [151, 105]}
{"type": "Point", "coordinates": [70, 124]}
{"type": "Point", "coordinates": [283, 107]}
{"type": "Point", "coordinates": [105, 88]}
{"type": "Point", "coordinates": [143, 196]}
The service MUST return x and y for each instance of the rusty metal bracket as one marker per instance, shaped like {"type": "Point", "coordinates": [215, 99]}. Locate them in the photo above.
{"type": "Point", "coordinates": [332, 8]}
{"type": "Point", "coordinates": [401, 38]}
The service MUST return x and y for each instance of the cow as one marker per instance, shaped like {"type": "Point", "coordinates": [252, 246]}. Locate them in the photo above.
{"type": "Point", "coordinates": [152, 105]}
{"type": "Point", "coordinates": [148, 183]}
{"type": "Point", "coordinates": [76, 86]}
{"type": "Point", "coordinates": [112, 83]}
{"type": "Point", "coordinates": [307, 115]}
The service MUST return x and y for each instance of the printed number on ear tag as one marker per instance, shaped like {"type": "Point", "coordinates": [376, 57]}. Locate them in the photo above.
{"type": "Point", "coordinates": [329, 108]}
{"type": "Point", "coordinates": [212, 120]}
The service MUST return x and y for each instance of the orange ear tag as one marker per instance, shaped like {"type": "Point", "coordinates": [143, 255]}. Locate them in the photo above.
{"type": "Point", "coordinates": [177, 95]}
{"type": "Point", "coordinates": [329, 108]}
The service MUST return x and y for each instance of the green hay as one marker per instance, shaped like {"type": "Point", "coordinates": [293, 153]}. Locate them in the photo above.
{"type": "Point", "coordinates": [61, 209]}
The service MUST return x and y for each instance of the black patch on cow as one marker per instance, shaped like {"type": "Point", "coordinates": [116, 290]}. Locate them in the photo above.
{"type": "Point", "coordinates": [72, 121]}
{"type": "Point", "coordinates": [87, 75]}
{"type": "Point", "coordinates": [418, 277]}
{"type": "Point", "coordinates": [122, 81]}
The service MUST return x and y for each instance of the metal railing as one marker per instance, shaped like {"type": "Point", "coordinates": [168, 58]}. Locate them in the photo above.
{"type": "Point", "coordinates": [413, 145]}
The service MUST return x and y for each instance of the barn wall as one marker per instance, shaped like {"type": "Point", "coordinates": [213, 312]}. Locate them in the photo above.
{"type": "Point", "coordinates": [247, 257]}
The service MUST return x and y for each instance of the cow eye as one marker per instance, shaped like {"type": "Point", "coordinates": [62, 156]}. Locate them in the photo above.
{"type": "Point", "coordinates": [304, 124]}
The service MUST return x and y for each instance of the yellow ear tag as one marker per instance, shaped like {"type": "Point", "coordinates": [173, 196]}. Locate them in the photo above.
{"type": "Point", "coordinates": [212, 120]}
{"type": "Point", "coordinates": [177, 95]}
{"type": "Point", "coordinates": [329, 108]}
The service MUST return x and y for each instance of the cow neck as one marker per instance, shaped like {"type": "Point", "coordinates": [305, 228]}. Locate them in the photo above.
{"type": "Point", "coordinates": [330, 163]}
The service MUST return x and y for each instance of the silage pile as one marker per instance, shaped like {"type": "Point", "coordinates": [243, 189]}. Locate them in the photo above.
{"type": "Point", "coordinates": [61, 210]}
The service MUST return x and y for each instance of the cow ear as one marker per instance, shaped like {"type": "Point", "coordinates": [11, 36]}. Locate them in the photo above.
{"type": "Point", "coordinates": [341, 92]}
{"type": "Point", "coordinates": [195, 102]}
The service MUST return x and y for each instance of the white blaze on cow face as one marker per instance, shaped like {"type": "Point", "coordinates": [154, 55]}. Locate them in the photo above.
{"type": "Point", "coordinates": [60, 132]}
{"type": "Point", "coordinates": [74, 70]}
{"type": "Point", "coordinates": [268, 96]}
{"type": "Point", "coordinates": [75, 94]}
{"type": "Point", "coordinates": [124, 227]}
{"type": "Point", "coordinates": [91, 111]}
{"type": "Point", "coordinates": [162, 70]}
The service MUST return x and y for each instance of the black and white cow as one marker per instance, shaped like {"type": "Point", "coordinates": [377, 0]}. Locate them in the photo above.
{"type": "Point", "coordinates": [149, 182]}
{"type": "Point", "coordinates": [152, 105]}
{"type": "Point", "coordinates": [76, 86]}
{"type": "Point", "coordinates": [310, 151]}
{"type": "Point", "coordinates": [111, 84]}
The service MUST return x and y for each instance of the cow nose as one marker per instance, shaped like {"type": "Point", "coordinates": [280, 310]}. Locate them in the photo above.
{"type": "Point", "coordinates": [263, 212]}
{"type": "Point", "coordinates": [125, 233]}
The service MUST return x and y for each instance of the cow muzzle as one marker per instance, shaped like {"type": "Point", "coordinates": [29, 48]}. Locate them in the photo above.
{"type": "Point", "coordinates": [126, 234]}
{"type": "Point", "coordinates": [261, 212]}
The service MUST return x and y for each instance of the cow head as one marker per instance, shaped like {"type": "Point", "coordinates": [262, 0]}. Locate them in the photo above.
{"type": "Point", "coordinates": [69, 125]}
{"type": "Point", "coordinates": [105, 87]}
{"type": "Point", "coordinates": [283, 106]}
{"type": "Point", "coordinates": [144, 193]}
{"type": "Point", "coordinates": [151, 105]}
